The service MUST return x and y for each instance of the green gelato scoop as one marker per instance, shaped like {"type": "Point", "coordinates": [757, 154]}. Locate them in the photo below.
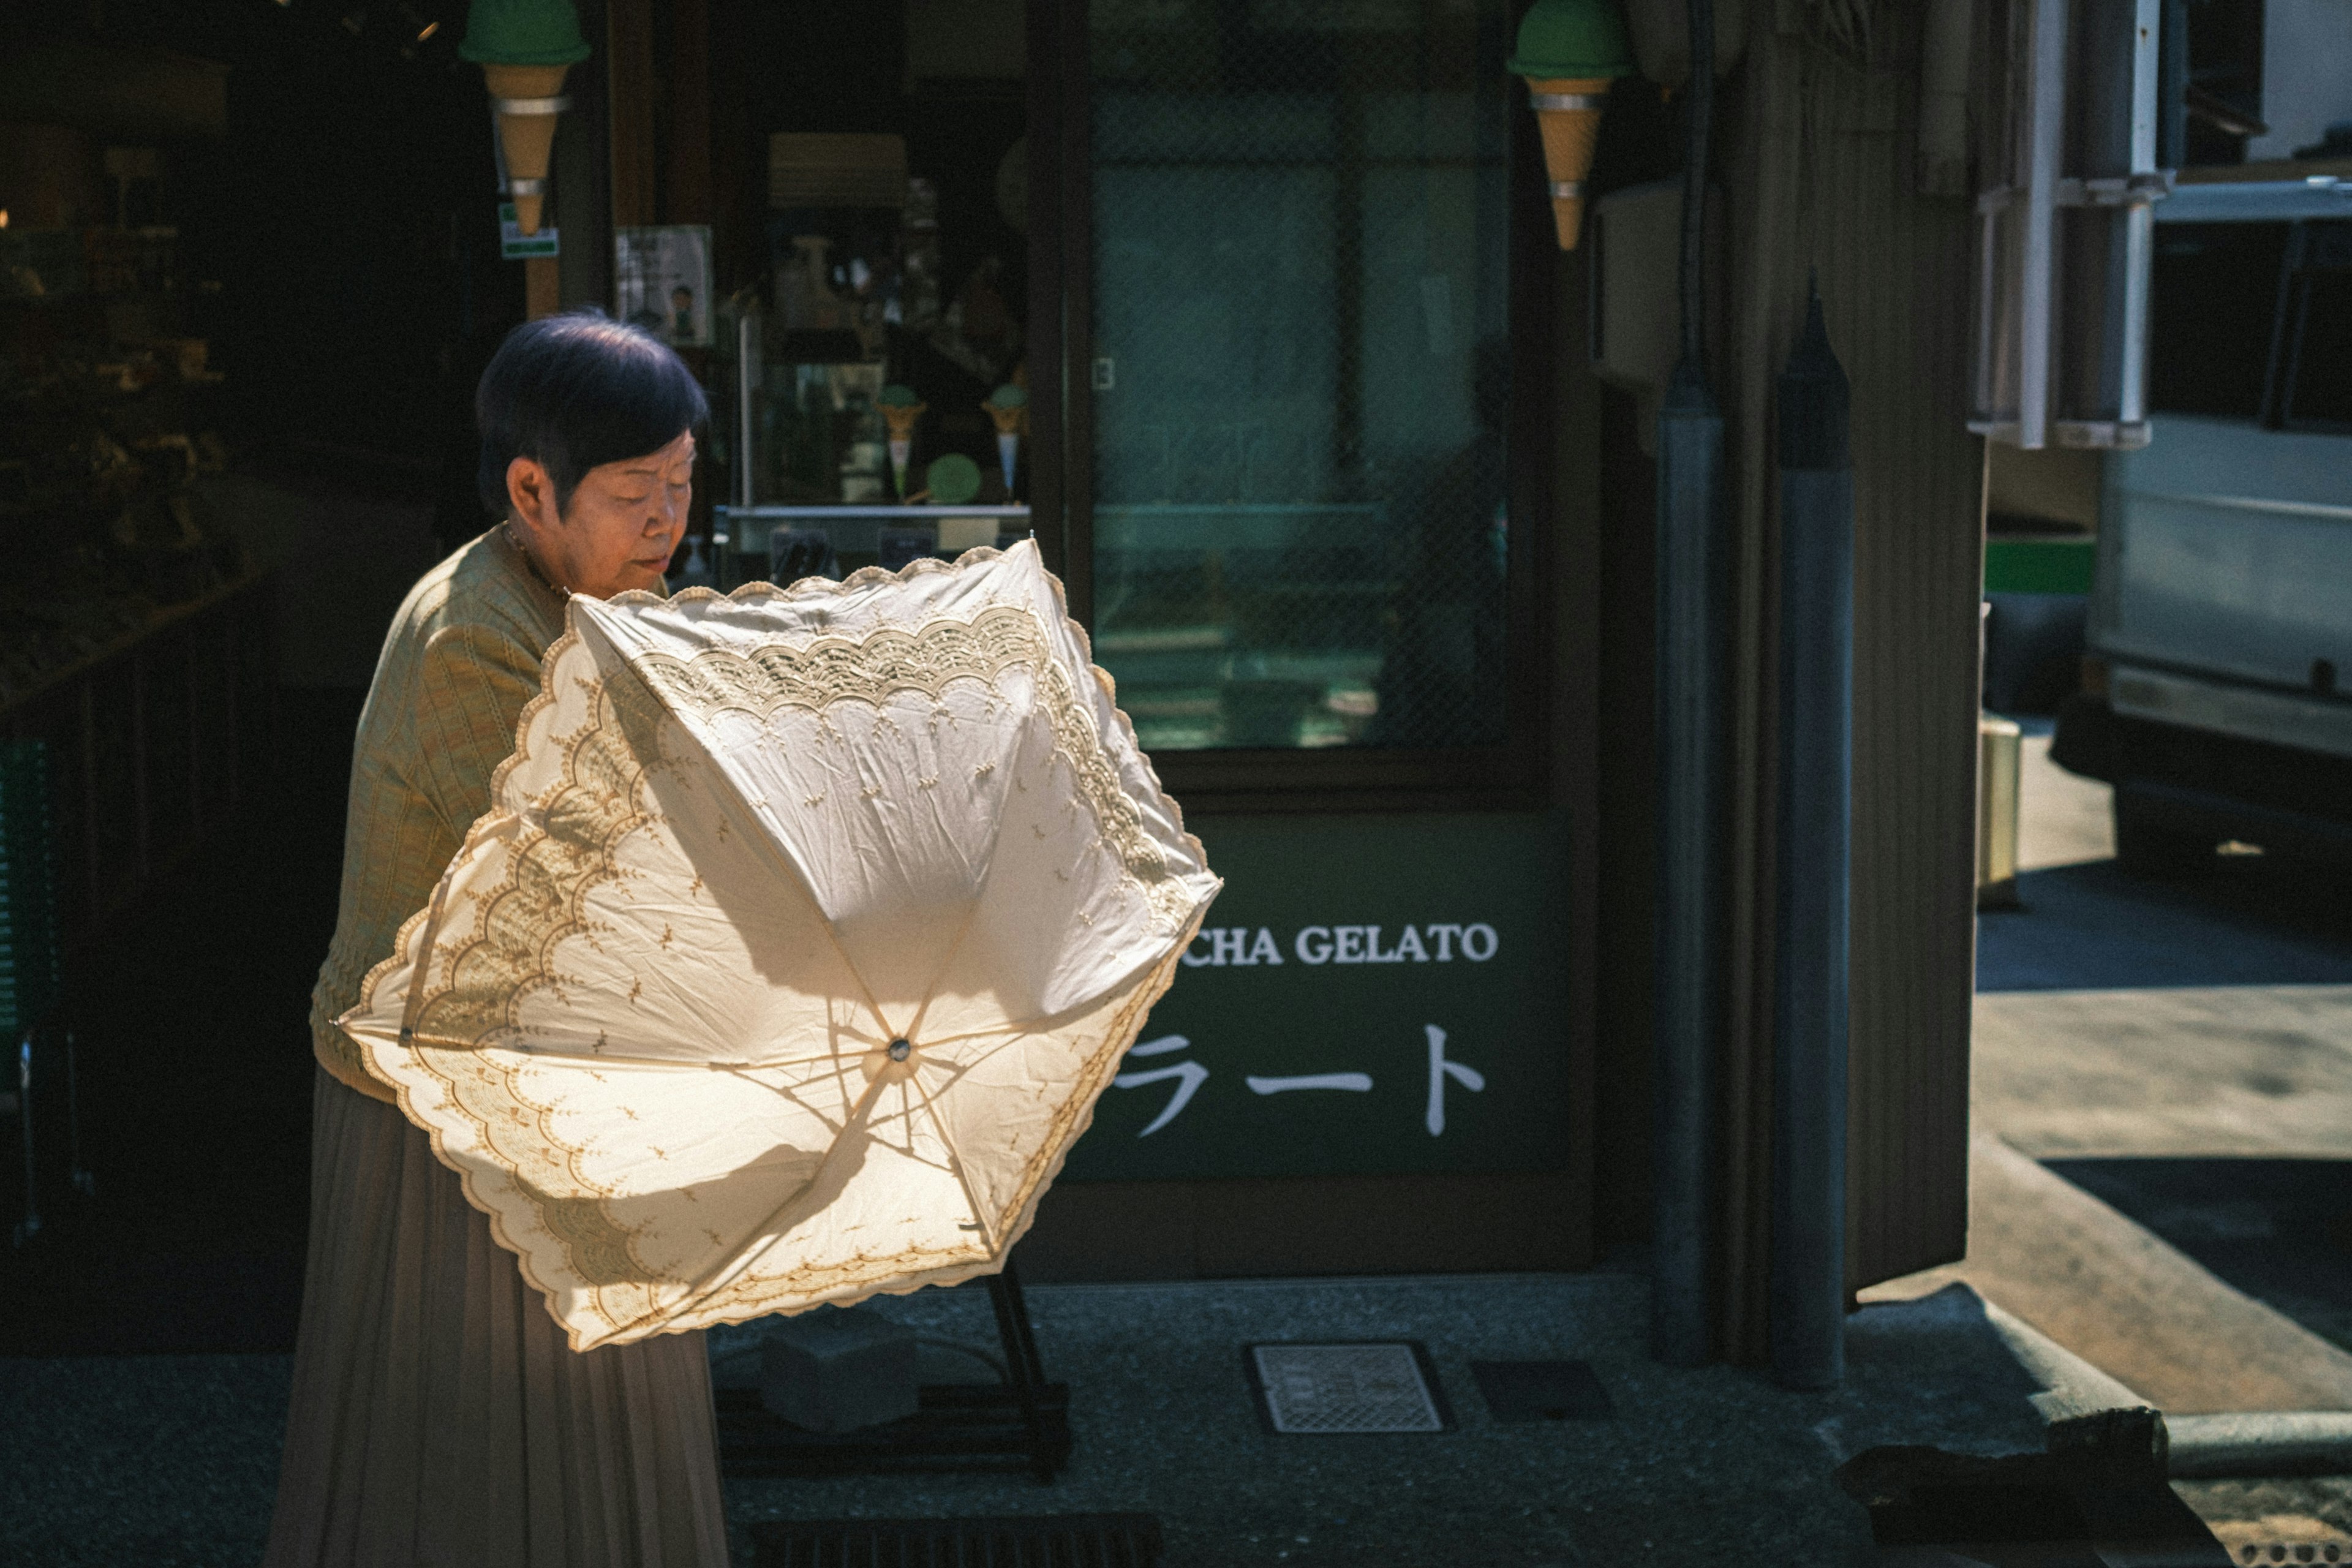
{"type": "Point", "coordinates": [953, 479]}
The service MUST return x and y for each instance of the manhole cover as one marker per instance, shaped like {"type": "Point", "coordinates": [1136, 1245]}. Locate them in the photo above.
{"type": "Point", "coordinates": [1384, 1387]}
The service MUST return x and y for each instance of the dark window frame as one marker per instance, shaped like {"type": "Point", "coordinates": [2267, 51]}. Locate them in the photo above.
{"type": "Point", "coordinates": [1511, 777]}
{"type": "Point", "coordinates": [2316, 248]}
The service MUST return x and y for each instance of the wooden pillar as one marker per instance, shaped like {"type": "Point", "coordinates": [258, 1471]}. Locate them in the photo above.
{"type": "Point", "coordinates": [629, 109]}
{"type": "Point", "coordinates": [542, 287]}
{"type": "Point", "coordinates": [1821, 180]}
{"type": "Point", "coordinates": [685, 192]}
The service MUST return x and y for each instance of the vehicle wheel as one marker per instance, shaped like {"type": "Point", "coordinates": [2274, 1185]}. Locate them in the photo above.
{"type": "Point", "coordinates": [2154, 849]}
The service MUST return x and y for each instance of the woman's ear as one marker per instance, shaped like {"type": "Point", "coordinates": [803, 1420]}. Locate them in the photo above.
{"type": "Point", "coordinates": [530, 495]}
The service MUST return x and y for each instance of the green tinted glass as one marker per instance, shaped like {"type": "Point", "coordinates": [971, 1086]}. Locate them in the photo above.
{"type": "Point", "coordinates": [1301, 369]}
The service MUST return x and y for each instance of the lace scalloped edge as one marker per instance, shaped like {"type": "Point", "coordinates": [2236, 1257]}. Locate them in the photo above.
{"type": "Point", "coordinates": [873, 576]}
{"type": "Point", "coordinates": [466, 1171]}
{"type": "Point", "coordinates": [1162, 977]}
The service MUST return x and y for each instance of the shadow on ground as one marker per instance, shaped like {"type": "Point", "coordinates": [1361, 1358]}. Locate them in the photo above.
{"type": "Point", "coordinates": [2096, 927]}
{"type": "Point", "coordinates": [120, 1459]}
{"type": "Point", "coordinates": [2279, 1230]}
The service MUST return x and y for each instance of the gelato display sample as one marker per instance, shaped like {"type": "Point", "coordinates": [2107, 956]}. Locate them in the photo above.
{"type": "Point", "coordinates": [952, 479]}
{"type": "Point", "coordinates": [1008, 408]}
{"type": "Point", "coordinates": [900, 410]}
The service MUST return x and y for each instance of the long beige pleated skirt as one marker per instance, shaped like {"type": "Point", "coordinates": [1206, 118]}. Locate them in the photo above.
{"type": "Point", "coordinates": [438, 1417]}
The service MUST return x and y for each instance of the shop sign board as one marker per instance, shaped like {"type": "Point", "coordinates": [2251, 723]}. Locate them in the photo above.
{"type": "Point", "coordinates": [516, 246]}
{"type": "Point", "coordinates": [1369, 996]}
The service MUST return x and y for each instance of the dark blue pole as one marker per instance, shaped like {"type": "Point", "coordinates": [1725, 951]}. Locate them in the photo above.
{"type": "Point", "coordinates": [1694, 578]}
{"type": "Point", "coordinates": [1815, 855]}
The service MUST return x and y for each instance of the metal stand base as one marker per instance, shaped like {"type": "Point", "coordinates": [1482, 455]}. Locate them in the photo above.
{"type": "Point", "coordinates": [1022, 1422]}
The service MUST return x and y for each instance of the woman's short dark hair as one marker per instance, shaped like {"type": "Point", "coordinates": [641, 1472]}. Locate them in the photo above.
{"type": "Point", "coordinates": [574, 392]}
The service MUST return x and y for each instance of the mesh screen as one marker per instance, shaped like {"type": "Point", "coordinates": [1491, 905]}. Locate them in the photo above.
{"type": "Point", "coordinates": [1301, 369]}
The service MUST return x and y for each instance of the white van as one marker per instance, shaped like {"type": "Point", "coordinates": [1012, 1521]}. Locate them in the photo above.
{"type": "Point", "coordinates": [2218, 681]}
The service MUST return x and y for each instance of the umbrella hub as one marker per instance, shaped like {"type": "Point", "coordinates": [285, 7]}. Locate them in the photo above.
{"type": "Point", "coordinates": [900, 1048]}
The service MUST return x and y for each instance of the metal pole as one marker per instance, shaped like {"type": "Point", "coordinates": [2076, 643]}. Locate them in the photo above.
{"type": "Point", "coordinates": [2172, 87]}
{"type": "Point", "coordinates": [749, 346]}
{"type": "Point", "coordinates": [1693, 571]}
{"type": "Point", "coordinates": [1814, 863]}
{"type": "Point", "coordinates": [83, 1181]}
{"type": "Point", "coordinates": [2044, 144]}
{"type": "Point", "coordinates": [31, 1224]}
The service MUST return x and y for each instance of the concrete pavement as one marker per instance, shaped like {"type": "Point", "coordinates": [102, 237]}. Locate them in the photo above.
{"type": "Point", "coordinates": [2206, 1070]}
{"type": "Point", "coordinates": [2152, 1035]}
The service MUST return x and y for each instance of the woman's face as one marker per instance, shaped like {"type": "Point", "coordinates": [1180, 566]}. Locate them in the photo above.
{"type": "Point", "coordinates": [623, 525]}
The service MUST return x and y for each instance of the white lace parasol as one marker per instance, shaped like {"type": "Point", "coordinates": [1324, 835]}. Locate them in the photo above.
{"type": "Point", "coordinates": [804, 929]}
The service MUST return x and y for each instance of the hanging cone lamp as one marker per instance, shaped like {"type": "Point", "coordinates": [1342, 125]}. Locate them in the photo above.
{"type": "Point", "coordinates": [525, 48]}
{"type": "Point", "coordinates": [1569, 51]}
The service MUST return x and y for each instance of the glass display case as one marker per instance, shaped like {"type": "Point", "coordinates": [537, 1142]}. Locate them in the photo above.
{"type": "Point", "coordinates": [872, 393]}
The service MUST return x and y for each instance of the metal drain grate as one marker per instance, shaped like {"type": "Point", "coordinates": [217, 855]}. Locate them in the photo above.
{"type": "Point", "coordinates": [1039, 1540]}
{"type": "Point", "coordinates": [1377, 1386]}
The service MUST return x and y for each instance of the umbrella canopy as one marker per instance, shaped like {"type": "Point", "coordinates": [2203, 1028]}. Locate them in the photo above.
{"type": "Point", "coordinates": [804, 929]}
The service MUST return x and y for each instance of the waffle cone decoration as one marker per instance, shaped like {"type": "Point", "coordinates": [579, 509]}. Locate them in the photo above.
{"type": "Point", "coordinates": [525, 48]}
{"type": "Point", "coordinates": [900, 409]}
{"type": "Point", "coordinates": [1570, 134]}
{"type": "Point", "coordinates": [527, 141]}
{"type": "Point", "coordinates": [1569, 51]}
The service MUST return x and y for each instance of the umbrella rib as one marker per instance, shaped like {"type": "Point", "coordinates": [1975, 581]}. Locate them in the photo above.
{"type": "Point", "coordinates": [972, 915]}
{"type": "Point", "coordinates": [608, 1059]}
{"type": "Point", "coordinates": [955, 1163]}
{"type": "Point", "coordinates": [724, 1272]}
{"type": "Point", "coordinates": [784, 1092]}
{"type": "Point", "coordinates": [1013, 1031]}
{"type": "Point", "coordinates": [774, 844]}
{"type": "Point", "coordinates": [823, 921]}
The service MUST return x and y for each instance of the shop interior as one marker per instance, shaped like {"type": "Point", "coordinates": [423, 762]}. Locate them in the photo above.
{"type": "Point", "coordinates": [239, 335]}
{"type": "Point", "coordinates": [250, 269]}
{"type": "Point", "coordinates": [868, 367]}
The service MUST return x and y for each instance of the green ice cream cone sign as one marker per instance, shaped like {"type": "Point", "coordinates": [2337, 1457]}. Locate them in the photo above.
{"type": "Point", "coordinates": [525, 47]}
{"type": "Point", "coordinates": [523, 33]}
{"type": "Point", "coordinates": [1569, 51]}
{"type": "Point", "coordinates": [900, 408]}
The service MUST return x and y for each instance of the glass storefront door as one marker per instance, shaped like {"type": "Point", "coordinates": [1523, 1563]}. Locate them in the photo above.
{"type": "Point", "coordinates": [1299, 369]}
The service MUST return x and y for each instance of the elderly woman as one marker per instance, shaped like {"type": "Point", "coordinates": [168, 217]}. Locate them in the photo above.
{"type": "Point", "coordinates": [438, 1415]}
